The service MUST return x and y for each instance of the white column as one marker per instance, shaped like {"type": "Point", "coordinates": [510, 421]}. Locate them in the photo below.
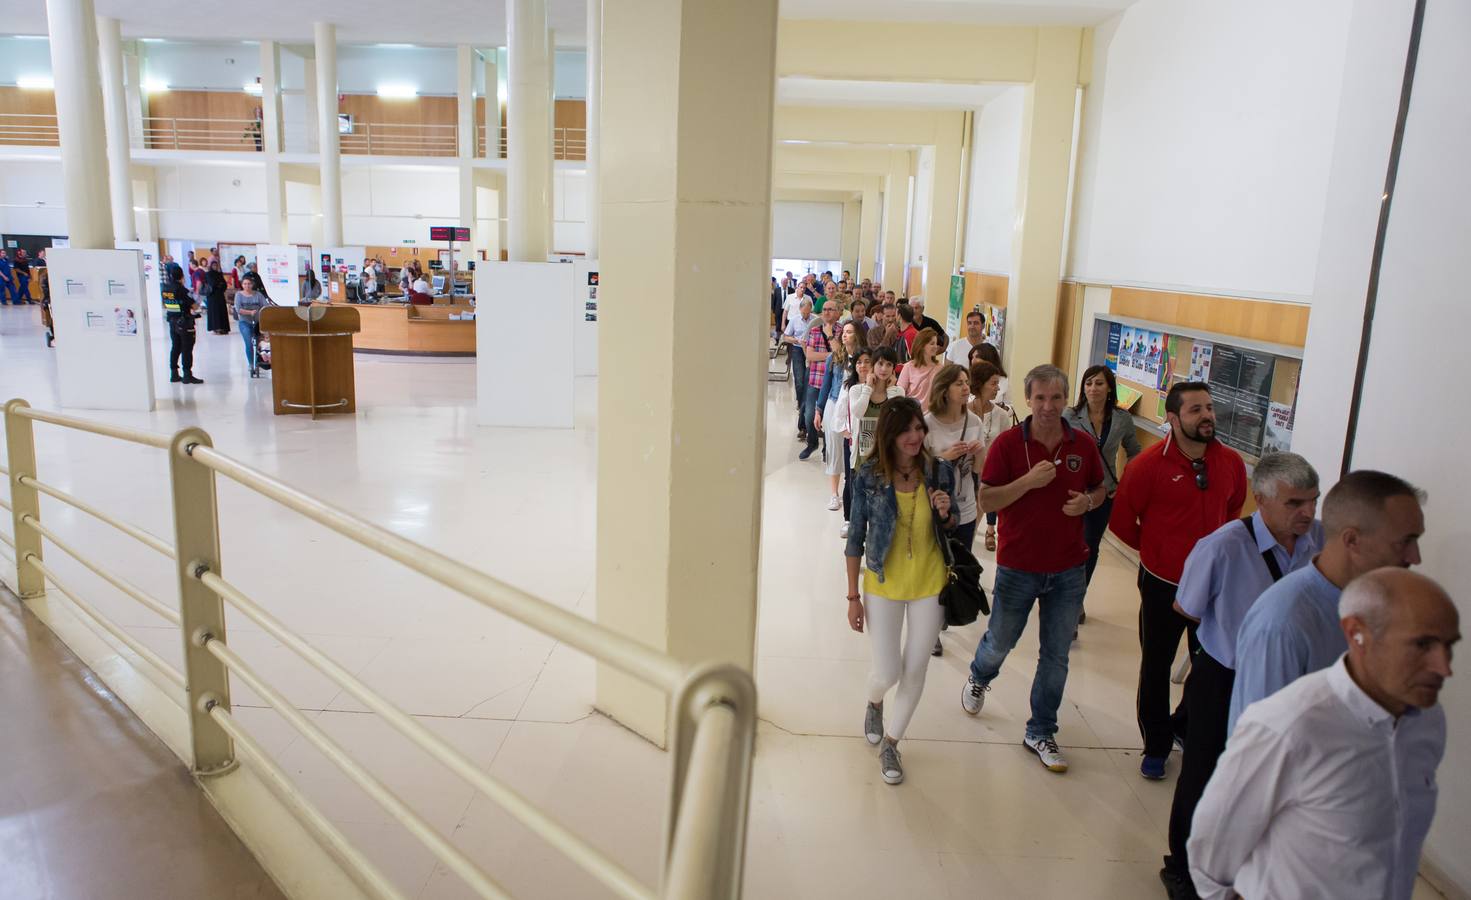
{"type": "Point", "coordinates": [328, 150]}
{"type": "Point", "coordinates": [492, 107]}
{"type": "Point", "coordinates": [309, 92]}
{"type": "Point", "coordinates": [72, 27]}
{"type": "Point", "coordinates": [133, 92]}
{"type": "Point", "coordinates": [594, 120]}
{"type": "Point", "coordinates": [115, 109]}
{"type": "Point", "coordinates": [270, 97]}
{"type": "Point", "coordinates": [529, 132]}
{"type": "Point", "coordinates": [870, 212]}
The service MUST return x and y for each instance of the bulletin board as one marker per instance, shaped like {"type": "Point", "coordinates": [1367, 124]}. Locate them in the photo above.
{"type": "Point", "coordinates": [1253, 383]}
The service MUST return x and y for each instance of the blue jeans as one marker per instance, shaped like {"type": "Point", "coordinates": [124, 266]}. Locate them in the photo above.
{"type": "Point", "coordinates": [797, 359]}
{"type": "Point", "coordinates": [247, 335]}
{"type": "Point", "coordinates": [1060, 597]}
{"type": "Point", "coordinates": [7, 290]}
{"type": "Point", "coordinates": [809, 412]}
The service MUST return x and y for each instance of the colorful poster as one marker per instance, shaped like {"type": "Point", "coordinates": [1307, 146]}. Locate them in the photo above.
{"type": "Point", "coordinates": [127, 321]}
{"type": "Point", "coordinates": [1153, 357]}
{"type": "Point", "coordinates": [1279, 428]}
{"type": "Point", "coordinates": [1200, 361]}
{"type": "Point", "coordinates": [1112, 359]}
{"type": "Point", "coordinates": [957, 301]}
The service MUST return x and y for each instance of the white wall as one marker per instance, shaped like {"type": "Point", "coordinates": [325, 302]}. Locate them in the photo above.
{"type": "Point", "coordinates": [994, 164]}
{"type": "Point", "coordinates": [806, 230]}
{"type": "Point", "coordinates": [1205, 146]}
{"type": "Point", "coordinates": [20, 57]}
{"type": "Point", "coordinates": [25, 184]}
{"type": "Point", "coordinates": [227, 65]}
{"type": "Point", "coordinates": [1417, 355]}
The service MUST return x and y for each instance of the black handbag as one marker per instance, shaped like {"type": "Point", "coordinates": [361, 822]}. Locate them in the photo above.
{"type": "Point", "coordinates": [962, 597]}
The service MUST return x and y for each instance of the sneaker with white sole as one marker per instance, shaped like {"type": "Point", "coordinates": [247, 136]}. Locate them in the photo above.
{"type": "Point", "coordinates": [1047, 751]}
{"type": "Point", "coordinates": [973, 696]}
{"type": "Point", "coordinates": [843, 532]}
{"type": "Point", "coordinates": [834, 504]}
{"type": "Point", "coordinates": [873, 724]}
{"type": "Point", "coordinates": [890, 766]}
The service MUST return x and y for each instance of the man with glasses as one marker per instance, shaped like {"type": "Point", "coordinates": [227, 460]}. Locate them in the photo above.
{"type": "Point", "coordinates": [1223, 577]}
{"type": "Point", "coordinates": [1173, 494]}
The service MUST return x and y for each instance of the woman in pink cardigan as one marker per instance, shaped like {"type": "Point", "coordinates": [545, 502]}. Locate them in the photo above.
{"type": "Point", "coordinates": [925, 358]}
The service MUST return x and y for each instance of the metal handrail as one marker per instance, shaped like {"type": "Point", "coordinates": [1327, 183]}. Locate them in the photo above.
{"type": "Point", "coordinates": [361, 869]}
{"type": "Point", "coordinates": [712, 708]}
{"type": "Point", "coordinates": [448, 853]}
{"type": "Point", "coordinates": [595, 640]}
{"type": "Point", "coordinates": [97, 618]}
{"type": "Point", "coordinates": [132, 531]}
{"type": "Point", "coordinates": [29, 129]}
{"type": "Point", "coordinates": [542, 825]}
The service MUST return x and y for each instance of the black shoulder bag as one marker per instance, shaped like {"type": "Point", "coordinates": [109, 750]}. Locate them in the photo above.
{"type": "Point", "coordinates": [962, 597]}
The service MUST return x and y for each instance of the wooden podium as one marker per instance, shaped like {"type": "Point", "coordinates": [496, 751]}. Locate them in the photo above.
{"type": "Point", "coordinates": [311, 358]}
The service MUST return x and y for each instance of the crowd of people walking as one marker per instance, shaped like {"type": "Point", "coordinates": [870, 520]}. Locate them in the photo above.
{"type": "Point", "coordinates": [1308, 733]}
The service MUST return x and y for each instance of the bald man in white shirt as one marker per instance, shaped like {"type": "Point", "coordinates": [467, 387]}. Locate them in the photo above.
{"type": "Point", "coordinates": [1327, 788]}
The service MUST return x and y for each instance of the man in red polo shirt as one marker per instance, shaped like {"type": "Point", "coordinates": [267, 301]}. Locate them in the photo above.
{"type": "Point", "coordinates": [1172, 495]}
{"type": "Point", "coordinates": [1042, 476]}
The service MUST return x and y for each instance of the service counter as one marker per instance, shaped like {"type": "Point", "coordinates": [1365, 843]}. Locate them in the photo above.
{"type": "Point", "coordinates": [399, 328]}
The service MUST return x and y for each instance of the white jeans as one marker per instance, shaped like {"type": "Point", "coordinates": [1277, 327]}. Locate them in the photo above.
{"type": "Point", "coordinates": [906, 666]}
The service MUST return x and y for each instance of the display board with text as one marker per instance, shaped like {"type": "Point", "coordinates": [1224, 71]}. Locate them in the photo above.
{"type": "Point", "coordinates": [1253, 384]}
{"type": "Point", "coordinates": [101, 307]}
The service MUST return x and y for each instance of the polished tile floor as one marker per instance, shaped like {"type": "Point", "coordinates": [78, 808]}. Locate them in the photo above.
{"type": "Point", "coordinates": [977, 817]}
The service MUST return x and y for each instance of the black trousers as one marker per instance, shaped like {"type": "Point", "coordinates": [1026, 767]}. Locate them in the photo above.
{"type": "Point", "coordinates": [847, 477]}
{"type": "Point", "coordinates": [1160, 628]}
{"type": "Point", "coordinates": [181, 344]}
{"type": "Point", "coordinates": [1095, 523]}
{"type": "Point", "coordinates": [1208, 697]}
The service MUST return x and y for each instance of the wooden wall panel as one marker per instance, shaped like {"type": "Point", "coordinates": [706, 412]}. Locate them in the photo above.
{"type": "Point", "coordinates": [914, 285]}
{"type": "Point", "coordinates": [27, 117]}
{"type": "Point", "coordinates": [1262, 320]}
{"type": "Point", "coordinates": [206, 120]}
{"type": "Point", "coordinates": [1069, 325]}
{"type": "Point", "coordinates": [988, 289]}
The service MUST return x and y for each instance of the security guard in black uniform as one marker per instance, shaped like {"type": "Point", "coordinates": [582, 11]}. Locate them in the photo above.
{"type": "Point", "coordinates": [178, 307]}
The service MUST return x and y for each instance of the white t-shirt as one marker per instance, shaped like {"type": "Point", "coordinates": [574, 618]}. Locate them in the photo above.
{"type": "Point", "coordinates": [793, 304]}
{"type": "Point", "coordinates": [958, 350]}
{"type": "Point", "coordinates": [941, 437]}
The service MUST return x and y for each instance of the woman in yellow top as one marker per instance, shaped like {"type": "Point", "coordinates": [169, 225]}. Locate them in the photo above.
{"type": "Point", "coordinates": [903, 501]}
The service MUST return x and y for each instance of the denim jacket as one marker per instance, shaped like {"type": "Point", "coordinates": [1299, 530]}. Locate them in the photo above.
{"type": "Point", "coordinates": [875, 511]}
{"type": "Point", "coordinates": [832, 383]}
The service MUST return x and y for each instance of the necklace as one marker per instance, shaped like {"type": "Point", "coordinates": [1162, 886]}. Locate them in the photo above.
{"type": "Point", "coordinates": [913, 510]}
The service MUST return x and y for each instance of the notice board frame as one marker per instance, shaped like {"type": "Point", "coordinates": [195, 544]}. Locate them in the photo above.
{"type": "Point", "coordinates": [1098, 355]}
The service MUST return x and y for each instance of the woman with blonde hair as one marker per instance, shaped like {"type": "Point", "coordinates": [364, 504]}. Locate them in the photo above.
{"type": "Point", "coordinates": [903, 503]}
{"type": "Point", "coordinates": [925, 359]}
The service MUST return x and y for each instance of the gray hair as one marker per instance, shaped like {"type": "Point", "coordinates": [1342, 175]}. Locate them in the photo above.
{"type": "Point", "coordinates": [914, 300]}
{"type": "Point", "coordinates": [1282, 468]}
{"type": "Point", "coordinates": [1367, 598]}
{"type": "Point", "coordinates": [1358, 499]}
{"type": "Point", "coordinates": [1045, 373]}
{"type": "Point", "coordinates": [805, 301]}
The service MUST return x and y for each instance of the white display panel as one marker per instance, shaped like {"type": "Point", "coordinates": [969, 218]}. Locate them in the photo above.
{"type": "Point", "coordinates": [524, 374]}
{"type": "Point", "coordinates": [278, 266]}
{"type": "Point", "coordinates": [802, 230]}
{"type": "Point", "coordinates": [102, 314]}
{"type": "Point", "coordinates": [152, 272]}
{"type": "Point", "coordinates": [586, 300]}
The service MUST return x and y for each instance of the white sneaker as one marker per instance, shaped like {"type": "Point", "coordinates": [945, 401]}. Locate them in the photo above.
{"type": "Point", "coordinates": [973, 696]}
{"type": "Point", "coordinates": [834, 504]}
{"type": "Point", "coordinates": [843, 532]}
{"type": "Point", "coordinates": [1047, 751]}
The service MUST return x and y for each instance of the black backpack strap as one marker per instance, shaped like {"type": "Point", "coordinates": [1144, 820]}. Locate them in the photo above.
{"type": "Point", "coordinates": [1267, 556]}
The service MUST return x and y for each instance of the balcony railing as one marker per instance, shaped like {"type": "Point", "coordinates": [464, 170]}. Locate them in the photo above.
{"type": "Point", "coordinates": [161, 133]}
{"type": "Point", "coordinates": [366, 138]}
{"type": "Point", "coordinates": [29, 130]}
{"type": "Point", "coordinates": [567, 143]}
{"type": "Point", "coordinates": [387, 139]}
{"type": "Point", "coordinates": [712, 707]}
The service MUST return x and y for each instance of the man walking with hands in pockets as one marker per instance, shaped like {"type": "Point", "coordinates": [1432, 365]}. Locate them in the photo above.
{"type": "Point", "coordinates": [1042, 476]}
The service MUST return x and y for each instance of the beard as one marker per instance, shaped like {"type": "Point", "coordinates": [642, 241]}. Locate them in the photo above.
{"type": "Point", "coordinates": [1195, 435]}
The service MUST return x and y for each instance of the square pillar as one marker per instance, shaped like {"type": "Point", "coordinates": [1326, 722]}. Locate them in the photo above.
{"type": "Point", "coordinates": [686, 212]}
{"type": "Point", "coordinates": [309, 94]}
{"type": "Point", "coordinates": [270, 97]}
{"type": "Point", "coordinates": [896, 220]}
{"type": "Point", "coordinates": [1041, 199]}
{"type": "Point", "coordinates": [870, 211]}
{"type": "Point", "coordinates": [492, 148]}
{"type": "Point", "coordinates": [944, 208]}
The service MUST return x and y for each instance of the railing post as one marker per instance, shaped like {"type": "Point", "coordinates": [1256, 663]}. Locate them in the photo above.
{"type": "Point", "coordinates": [710, 685]}
{"type": "Point", "coordinates": [202, 612]}
{"type": "Point", "coordinates": [175, 124]}
{"type": "Point", "coordinates": [20, 448]}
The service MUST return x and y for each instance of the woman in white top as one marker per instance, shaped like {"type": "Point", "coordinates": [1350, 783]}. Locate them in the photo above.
{"type": "Point", "coordinates": [955, 436]}
{"type": "Point", "coordinates": [985, 382]}
{"type": "Point", "coordinates": [834, 458]}
{"type": "Point", "coordinates": [985, 352]}
{"type": "Point", "coordinates": [866, 399]}
{"type": "Point", "coordinates": [856, 376]}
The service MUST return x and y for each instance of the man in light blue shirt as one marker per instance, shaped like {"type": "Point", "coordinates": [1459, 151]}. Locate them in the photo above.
{"type": "Point", "coordinates": [1223, 576]}
{"type": "Point", "coordinates": [1372, 520]}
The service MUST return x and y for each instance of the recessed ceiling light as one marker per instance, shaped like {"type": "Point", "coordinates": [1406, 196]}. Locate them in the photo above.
{"type": "Point", "coordinates": [155, 87]}
{"type": "Point", "coordinates": [29, 37]}
{"type": "Point", "coordinates": [35, 82]}
{"type": "Point", "coordinates": [394, 46]}
{"type": "Point", "coordinates": [398, 91]}
{"type": "Point", "coordinates": [151, 40]}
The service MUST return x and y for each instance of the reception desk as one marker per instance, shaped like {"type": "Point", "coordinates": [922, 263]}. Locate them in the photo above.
{"type": "Point", "coordinates": [414, 330]}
